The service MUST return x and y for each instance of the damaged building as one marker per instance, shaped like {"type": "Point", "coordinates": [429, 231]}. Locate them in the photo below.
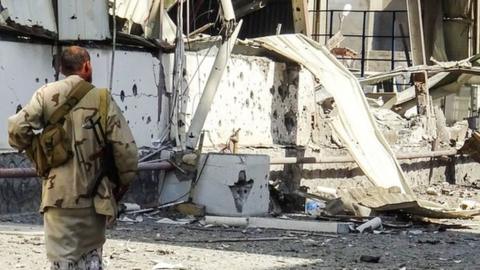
{"type": "Point", "coordinates": [356, 108]}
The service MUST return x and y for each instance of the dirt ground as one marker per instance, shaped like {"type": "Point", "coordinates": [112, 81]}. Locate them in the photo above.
{"type": "Point", "coordinates": [194, 246]}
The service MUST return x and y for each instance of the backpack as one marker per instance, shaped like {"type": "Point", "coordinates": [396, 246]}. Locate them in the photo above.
{"type": "Point", "coordinates": [52, 147]}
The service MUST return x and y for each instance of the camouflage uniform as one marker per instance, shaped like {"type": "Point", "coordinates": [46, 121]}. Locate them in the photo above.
{"type": "Point", "coordinates": [67, 211]}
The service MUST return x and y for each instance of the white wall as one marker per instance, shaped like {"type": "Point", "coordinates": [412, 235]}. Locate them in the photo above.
{"type": "Point", "coordinates": [25, 67]}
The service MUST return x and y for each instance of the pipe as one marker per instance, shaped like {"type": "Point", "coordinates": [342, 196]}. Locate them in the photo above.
{"type": "Point", "coordinates": [31, 172]}
{"type": "Point", "coordinates": [349, 159]}
{"type": "Point", "coordinates": [227, 8]}
{"type": "Point", "coordinates": [166, 166]}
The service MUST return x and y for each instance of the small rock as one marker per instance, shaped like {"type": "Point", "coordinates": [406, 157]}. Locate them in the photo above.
{"type": "Point", "coordinates": [432, 191]}
{"type": "Point", "coordinates": [415, 232]}
{"type": "Point", "coordinates": [370, 259]}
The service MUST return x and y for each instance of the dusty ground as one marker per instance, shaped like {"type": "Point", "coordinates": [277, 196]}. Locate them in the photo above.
{"type": "Point", "coordinates": [139, 246]}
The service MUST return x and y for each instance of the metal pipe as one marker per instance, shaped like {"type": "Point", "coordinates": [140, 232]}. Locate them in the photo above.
{"type": "Point", "coordinates": [349, 159]}
{"type": "Point", "coordinates": [364, 32]}
{"type": "Point", "coordinates": [166, 166]}
{"type": "Point", "coordinates": [31, 172]}
{"type": "Point", "coordinates": [392, 64]}
{"type": "Point", "coordinates": [227, 8]}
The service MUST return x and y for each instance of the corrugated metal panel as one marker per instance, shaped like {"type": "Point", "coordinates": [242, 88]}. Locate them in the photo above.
{"type": "Point", "coordinates": [83, 20]}
{"type": "Point", "coordinates": [31, 13]}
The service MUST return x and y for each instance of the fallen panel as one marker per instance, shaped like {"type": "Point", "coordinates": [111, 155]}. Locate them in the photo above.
{"type": "Point", "coordinates": [355, 124]}
{"type": "Point", "coordinates": [83, 20]}
{"type": "Point", "coordinates": [31, 13]}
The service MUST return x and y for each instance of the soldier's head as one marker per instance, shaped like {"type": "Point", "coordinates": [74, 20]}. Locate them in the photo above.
{"type": "Point", "coordinates": [75, 60]}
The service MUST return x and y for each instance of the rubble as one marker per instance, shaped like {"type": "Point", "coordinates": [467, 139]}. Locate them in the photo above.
{"type": "Point", "coordinates": [310, 116]}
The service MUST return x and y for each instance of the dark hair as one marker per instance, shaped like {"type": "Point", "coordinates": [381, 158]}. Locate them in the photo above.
{"type": "Point", "coordinates": [72, 59]}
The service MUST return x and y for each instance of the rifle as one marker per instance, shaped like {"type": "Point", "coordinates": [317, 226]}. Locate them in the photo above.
{"type": "Point", "coordinates": [107, 162]}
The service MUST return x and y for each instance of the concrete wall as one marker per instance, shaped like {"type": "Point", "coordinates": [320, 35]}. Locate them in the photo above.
{"type": "Point", "coordinates": [270, 102]}
{"type": "Point", "coordinates": [25, 67]}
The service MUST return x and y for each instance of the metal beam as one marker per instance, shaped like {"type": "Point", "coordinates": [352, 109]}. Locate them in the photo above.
{"type": "Point", "coordinates": [301, 17]}
{"type": "Point", "coordinates": [415, 28]}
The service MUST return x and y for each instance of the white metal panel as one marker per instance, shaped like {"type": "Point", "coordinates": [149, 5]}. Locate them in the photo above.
{"type": "Point", "coordinates": [136, 75]}
{"type": "Point", "coordinates": [137, 11]}
{"type": "Point", "coordinates": [31, 13]}
{"type": "Point", "coordinates": [23, 69]}
{"type": "Point", "coordinates": [83, 20]}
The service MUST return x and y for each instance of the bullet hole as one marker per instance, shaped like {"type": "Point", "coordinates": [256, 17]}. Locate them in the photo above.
{"type": "Point", "coordinates": [134, 89]}
{"type": "Point", "coordinates": [46, 80]}
{"type": "Point", "coordinates": [128, 121]}
{"type": "Point", "coordinates": [122, 95]}
{"type": "Point", "coordinates": [219, 123]}
{"type": "Point", "coordinates": [275, 115]}
{"type": "Point", "coordinates": [247, 103]}
{"type": "Point", "coordinates": [297, 9]}
{"type": "Point", "coordinates": [251, 94]}
{"type": "Point", "coordinates": [151, 136]}
{"type": "Point", "coordinates": [37, 80]}
{"type": "Point", "coordinates": [143, 118]}
{"type": "Point", "coordinates": [289, 121]}
{"type": "Point", "coordinates": [73, 17]}
{"type": "Point", "coordinates": [272, 90]}
{"type": "Point", "coordinates": [283, 91]}
{"type": "Point", "coordinates": [19, 108]}
{"type": "Point", "coordinates": [241, 75]}
{"type": "Point", "coordinates": [149, 120]}
{"type": "Point", "coordinates": [126, 108]}
{"type": "Point", "coordinates": [98, 55]}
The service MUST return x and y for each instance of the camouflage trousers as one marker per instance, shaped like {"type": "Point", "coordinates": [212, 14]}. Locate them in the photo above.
{"type": "Point", "coordinates": [89, 261]}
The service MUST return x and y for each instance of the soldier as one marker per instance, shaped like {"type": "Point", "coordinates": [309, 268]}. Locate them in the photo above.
{"type": "Point", "coordinates": [78, 202]}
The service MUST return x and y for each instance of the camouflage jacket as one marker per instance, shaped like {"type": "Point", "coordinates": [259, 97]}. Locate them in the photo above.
{"type": "Point", "coordinates": [66, 185]}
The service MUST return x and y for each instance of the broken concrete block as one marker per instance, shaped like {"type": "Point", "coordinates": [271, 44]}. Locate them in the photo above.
{"type": "Point", "coordinates": [191, 209]}
{"type": "Point", "coordinates": [370, 225]}
{"type": "Point", "coordinates": [231, 221]}
{"type": "Point", "coordinates": [300, 225]}
{"type": "Point", "coordinates": [281, 224]}
{"type": "Point", "coordinates": [432, 191]}
{"type": "Point", "coordinates": [233, 184]}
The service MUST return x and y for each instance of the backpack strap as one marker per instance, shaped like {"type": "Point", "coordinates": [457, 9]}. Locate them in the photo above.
{"type": "Point", "coordinates": [103, 108]}
{"type": "Point", "coordinates": [75, 95]}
